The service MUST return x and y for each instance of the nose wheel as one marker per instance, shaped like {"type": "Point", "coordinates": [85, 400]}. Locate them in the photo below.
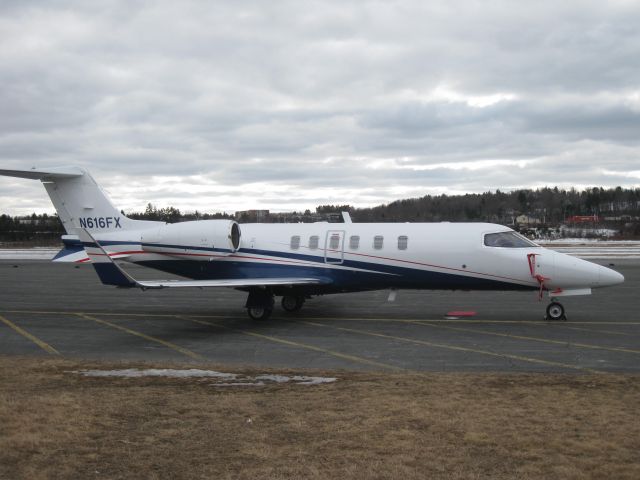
{"type": "Point", "coordinates": [555, 311]}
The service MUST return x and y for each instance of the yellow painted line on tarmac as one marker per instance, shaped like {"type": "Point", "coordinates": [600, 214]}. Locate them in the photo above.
{"type": "Point", "coordinates": [291, 343]}
{"type": "Point", "coordinates": [463, 321]}
{"type": "Point", "coordinates": [457, 348]}
{"type": "Point", "coordinates": [43, 345]}
{"type": "Point", "coordinates": [364, 319]}
{"type": "Point", "coordinates": [483, 322]}
{"type": "Point", "coordinates": [120, 314]}
{"type": "Point", "coordinates": [412, 320]}
{"type": "Point", "coordinates": [528, 338]}
{"type": "Point", "coordinates": [170, 345]}
{"type": "Point", "coordinates": [592, 330]}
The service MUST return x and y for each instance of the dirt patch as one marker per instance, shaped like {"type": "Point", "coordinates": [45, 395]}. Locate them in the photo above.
{"type": "Point", "coordinates": [58, 424]}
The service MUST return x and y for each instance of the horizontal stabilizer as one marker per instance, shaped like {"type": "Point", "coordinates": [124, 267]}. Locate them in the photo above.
{"type": "Point", "coordinates": [71, 255]}
{"type": "Point", "coordinates": [44, 174]}
{"type": "Point", "coordinates": [73, 251]}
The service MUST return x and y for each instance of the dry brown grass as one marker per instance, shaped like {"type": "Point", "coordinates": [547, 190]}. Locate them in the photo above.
{"type": "Point", "coordinates": [54, 424]}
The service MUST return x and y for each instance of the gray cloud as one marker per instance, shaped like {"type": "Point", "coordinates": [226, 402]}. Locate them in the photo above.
{"type": "Point", "coordinates": [292, 104]}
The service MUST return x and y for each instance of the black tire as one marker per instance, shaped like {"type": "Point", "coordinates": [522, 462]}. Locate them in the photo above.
{"type": "Point", "coordinates": [555, 311]}
{"type": "Point", "coordinates": [259, 313]}
{"type": "Point", "coordinates": [292, 303]}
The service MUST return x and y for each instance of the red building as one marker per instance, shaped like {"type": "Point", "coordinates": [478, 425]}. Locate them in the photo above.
{"type": "Point", "coordinates": [583, 219]}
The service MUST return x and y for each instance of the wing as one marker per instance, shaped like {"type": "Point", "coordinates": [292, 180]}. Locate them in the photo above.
{"type": "Point", "coordinates": [111, 274]}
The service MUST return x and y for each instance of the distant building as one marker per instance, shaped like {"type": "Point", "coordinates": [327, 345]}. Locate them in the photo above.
{"type": "Point", "coordinates": [48, 221]}
{"type": "Point", "coordinates": [527, 220]}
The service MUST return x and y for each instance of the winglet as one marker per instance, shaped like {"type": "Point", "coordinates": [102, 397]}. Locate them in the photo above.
{"type": "Point", "coordinates": [108, 271]}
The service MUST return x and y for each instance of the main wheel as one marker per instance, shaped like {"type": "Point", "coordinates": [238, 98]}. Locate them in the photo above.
{"type": "Point", "coordinates": [259, 313]}
{"type": "Point", "coordinates": [292, 303]}
{"type": "Point", "coordinates": [555, 311]}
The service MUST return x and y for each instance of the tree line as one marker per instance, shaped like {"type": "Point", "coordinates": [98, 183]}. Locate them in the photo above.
{"type": "Point", "coordinates": [550, 206]}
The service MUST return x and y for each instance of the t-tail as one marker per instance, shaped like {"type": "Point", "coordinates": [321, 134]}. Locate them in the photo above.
{"type": "Point", "coordinates": [81, 204]}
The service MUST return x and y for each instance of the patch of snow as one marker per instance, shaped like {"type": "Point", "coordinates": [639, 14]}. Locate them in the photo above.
{"type": "Point", "coordinates": [258, 380]}
{"type": "Point", "coordinates": [239, 384]}
{"type": "Point", "coordinates": [274, 378]}
{"type": "Point", "coordinates": [299, 379]}
{"type": "Point", "coordinates": [154, 372]}
{"type": "Point", "coordinates": [313, 380]}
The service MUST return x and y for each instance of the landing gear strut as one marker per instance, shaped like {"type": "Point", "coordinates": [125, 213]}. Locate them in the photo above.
{"type": "Point", "coordinates": [555, 311]}
{"type": "Point", "coordinates": [259, 304]}
{"type": "Point", "coordinates": [292, 303]}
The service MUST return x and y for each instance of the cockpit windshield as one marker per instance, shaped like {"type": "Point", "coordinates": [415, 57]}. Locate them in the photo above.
{"type": "Point", "coordinates": [507, 240]}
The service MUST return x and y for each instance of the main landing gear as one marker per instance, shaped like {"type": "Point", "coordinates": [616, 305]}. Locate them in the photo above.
{"type": "Point", "coordinates": [259, 313]}
{"type": "Point", "coordinates": [260, 303]}
{"type": "Point", "coordinates": [555, 311]}
{"type": "Point", "coordinates": [292, 303]}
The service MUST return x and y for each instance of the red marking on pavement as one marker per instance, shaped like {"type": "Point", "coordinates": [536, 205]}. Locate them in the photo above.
{"type": "Point", "coordinates": [461, 313]}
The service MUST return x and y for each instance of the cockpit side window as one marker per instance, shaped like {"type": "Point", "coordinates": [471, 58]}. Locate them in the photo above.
{"type": "Point", "coordinates": [507, 240]}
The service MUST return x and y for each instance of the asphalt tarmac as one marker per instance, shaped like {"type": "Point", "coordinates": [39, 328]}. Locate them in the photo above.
{"type": "Point", "coordinates": [63, 309]}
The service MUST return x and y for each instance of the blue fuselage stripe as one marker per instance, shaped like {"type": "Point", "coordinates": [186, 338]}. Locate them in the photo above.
{"type": "Point", "coordinates": [349, 275]}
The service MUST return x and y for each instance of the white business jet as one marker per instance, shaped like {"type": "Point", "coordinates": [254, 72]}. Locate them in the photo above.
{"type": "Point", "coordinates": [296, 261]}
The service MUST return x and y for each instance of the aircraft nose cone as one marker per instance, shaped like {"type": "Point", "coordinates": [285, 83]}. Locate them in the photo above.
{"type": "Point", "coordinates": [608, 277]}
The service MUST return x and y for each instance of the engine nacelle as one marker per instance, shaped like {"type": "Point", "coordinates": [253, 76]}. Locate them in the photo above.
{"type": "Point", "coordinates": [221, 235]}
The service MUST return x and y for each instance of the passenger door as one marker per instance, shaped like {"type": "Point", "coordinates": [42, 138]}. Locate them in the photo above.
{"type": "Point", "coordinates": [334, 247]}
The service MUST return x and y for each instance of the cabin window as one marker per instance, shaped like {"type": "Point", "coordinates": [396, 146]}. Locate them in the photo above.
{"type": "Point", "coordinates": [507, 240]}
{"type": "Point", "coordinates": [378, 241]}
{"type": "Point", "coordinates": [313, 242]}
{"type": "Point", "coordinates": [403, 241]}
{"type": "Point", "coordinates": [354, 242]}
{"type": "Point", "coordinates": [334, 241]}
{"type": "Point", "coordinates": [295, 242]}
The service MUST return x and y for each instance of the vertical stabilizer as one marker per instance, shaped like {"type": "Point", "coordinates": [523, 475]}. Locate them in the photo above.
{"type": "Point", "coordinates": [79, 200]}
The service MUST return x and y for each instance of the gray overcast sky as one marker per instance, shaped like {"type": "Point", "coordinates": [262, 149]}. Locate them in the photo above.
{"type": "Point", "coordinates": [217, 105]}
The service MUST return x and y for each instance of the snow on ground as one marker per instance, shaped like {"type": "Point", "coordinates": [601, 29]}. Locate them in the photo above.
{"type": "Point", "coordinates": [36, 253]}
{"type": "Point", "coordinates": [578, 241]}
{"type": "Point", "coordinates": [226, 379]}
{"type": "Point", "coordinates": [591, 249]}
{"type": "Point", "coordinates": [584, 232]}
{"type": "Point", "coordinates": [155, 372]}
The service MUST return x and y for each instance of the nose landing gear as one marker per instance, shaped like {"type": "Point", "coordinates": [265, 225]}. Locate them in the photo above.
{"type": "Point", "coordinates": [555, 311]}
